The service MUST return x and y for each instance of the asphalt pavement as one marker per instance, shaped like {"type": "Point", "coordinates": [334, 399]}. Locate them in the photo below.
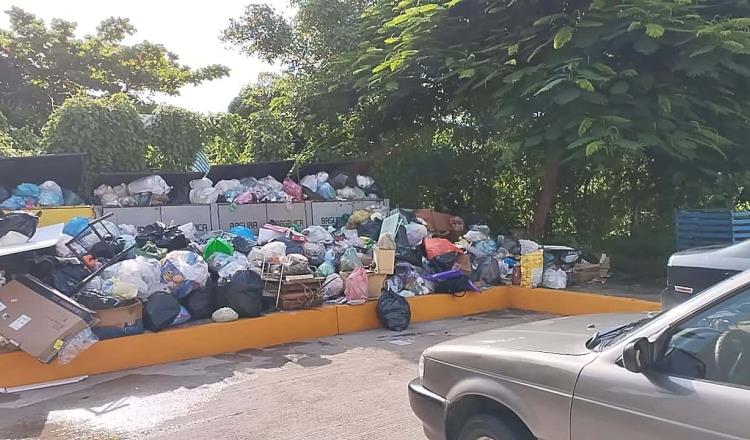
{"type": "Point", "coordinates": [343, 387]}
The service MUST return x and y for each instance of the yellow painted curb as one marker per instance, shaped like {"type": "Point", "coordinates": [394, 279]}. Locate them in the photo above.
{"type": "Point", "coordinates": [560, 302]}
{"type": "Point", "coordinates": [18, 368]}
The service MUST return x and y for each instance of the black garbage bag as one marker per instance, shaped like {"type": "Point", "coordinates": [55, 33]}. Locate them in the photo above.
{"type": "Point", "coordinates": [107, 248]}
{"type": "Point", "coordinates": [17, 227]}
{"type": "Point", "coordinates": [455, 285]}
{"type": "Point", "coordinates": [370, 229]}
{"type": "Point", "coordinates": [169, 238]}
{"type": "Point", "coordinates": [160, 311]}
{"type": "Point", "coordinates": [243, 294]}
{"type": "Point", "coordinates": [202, 303]}
{"type": "Point", "coordinates": [394, 311]}
{"type": "Point", "coordinates": [242, 245]}
{"type": "Point", "coordinates": [444, 263]}
{"type": "Point", "coordinates": [96, 300]}
{"type": "Point", "coordinates": [341, 180]}
{"type": "Point", "coordinates": [292, 247]}
{"type": "Point", "coordinates": [68, 276]}
{"type": "Point", "coordinates": [4, 194]}
{"type": "Point", "coordinates": [179, 195]}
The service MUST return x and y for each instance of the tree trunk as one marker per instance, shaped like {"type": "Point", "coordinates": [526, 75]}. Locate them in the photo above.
{"type": "Point", "coordinates": [547, 195]}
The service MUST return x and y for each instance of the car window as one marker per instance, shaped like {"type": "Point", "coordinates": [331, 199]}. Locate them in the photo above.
{"type": "Point", "coordinates": [714, 344]}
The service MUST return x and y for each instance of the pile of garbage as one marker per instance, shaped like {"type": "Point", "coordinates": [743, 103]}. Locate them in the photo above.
{"type": "Point", "coordinates": [146, 191]}
{"type": "Point", "coordinates": [342, 186]}
{"type": "Point", "coordinates": [29, 195]}
{"type": "Point", "coordinates": [154, 191]}
{"type": "Point", "coordinates": [164, 276]}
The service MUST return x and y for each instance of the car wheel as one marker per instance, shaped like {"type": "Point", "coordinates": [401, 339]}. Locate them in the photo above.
{"type": "Point", "coordinates": [489, 427]}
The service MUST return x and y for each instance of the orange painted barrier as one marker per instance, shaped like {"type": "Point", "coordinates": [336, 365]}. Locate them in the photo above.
{"type": "Point", "coordinates": [18, 368]}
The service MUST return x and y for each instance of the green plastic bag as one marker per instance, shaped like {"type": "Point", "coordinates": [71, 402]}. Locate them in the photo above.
{"type": "Point", "coordinates": [219, 245]}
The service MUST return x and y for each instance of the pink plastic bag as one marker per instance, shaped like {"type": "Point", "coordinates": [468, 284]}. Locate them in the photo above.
{"type": "Point", "coordinates": [244, 198]}
{"type": "Point", "coordinates": [356, 287]}
{"type": "Point", "coordinates": [293, 189]}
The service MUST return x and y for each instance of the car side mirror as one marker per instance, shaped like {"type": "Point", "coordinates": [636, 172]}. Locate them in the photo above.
{"type": "Point", "coordinates": [637, 355]}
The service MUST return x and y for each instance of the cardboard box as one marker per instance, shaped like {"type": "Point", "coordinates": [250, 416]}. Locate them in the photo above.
{"type": "Point", "coordinates": [583, 273]}
{"type": "Point", "coordinates": [463, 263]}
{"type": "Point", "coordinates": [38, 319]}
{"type": "Point", "coordinates": [291, 215]}
{"type": "Point", "coordinates": [251, 216]}
{"type": "Point", "coordinates": [328, 213]}
{"type": "Point", "coordinates": [121, 321]}
{"type": "Point", "coordinates": [385, 261]}
{"type": "Point", "coordinates": [140, 217]}
{"type": "Point", "coordinates": [201, 216]}
{"type": "Point", "coordinates": [441, 224]}
{"type": "Point", "coordinates": [375, 284]}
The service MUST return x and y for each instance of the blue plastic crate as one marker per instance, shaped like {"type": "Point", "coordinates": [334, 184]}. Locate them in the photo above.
{"type": "Point", "coordinates": [704, 228]}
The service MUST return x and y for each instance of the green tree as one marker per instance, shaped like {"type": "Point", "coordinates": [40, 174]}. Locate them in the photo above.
{"type": "Point", "coordinates": [109, 130]}
{"type": "Point", "coordinates": [175, 136]}
{"type": "Point", "coordinates": [42, 65]}
{"type": "Point", "coordinates": [570, 80]}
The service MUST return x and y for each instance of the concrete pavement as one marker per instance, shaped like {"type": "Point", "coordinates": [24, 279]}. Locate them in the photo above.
{"type": "Point", "coordinates": [344, 387]}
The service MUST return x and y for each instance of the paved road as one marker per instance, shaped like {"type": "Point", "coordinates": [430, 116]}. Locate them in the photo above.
{"type": "Point", "coordinates": [343, 387]}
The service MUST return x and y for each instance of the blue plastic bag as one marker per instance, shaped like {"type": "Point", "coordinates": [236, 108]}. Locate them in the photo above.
{"type": "Point", "coordinates": [244, 232]}
{"type": "Point", "coordinates": [14, 203]}
{"type": "Point", "coordinates": [326, 191]}
{"type": "Point", "coordinates": [182, 317]}
{"type": "Point", "coordinates": [487, 247]}
{"type": "Point", "coordinates": [75, 226]}
{"type": "Point", "coordinates": [27, 190]}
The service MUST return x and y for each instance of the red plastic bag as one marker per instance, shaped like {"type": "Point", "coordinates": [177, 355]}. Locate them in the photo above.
{"type": "Point", "coordinates": [435, 247]}
{"type": "Point", "coordinates": [356, 287]}
{"type": "Point", "coordinates": [293, 189]}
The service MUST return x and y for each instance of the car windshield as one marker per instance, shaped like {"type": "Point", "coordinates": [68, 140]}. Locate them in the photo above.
{"type": "Point", "coordinates": [600, 341]}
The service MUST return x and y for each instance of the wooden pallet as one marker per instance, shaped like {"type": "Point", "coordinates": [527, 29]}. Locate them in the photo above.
{"type": "Point", "coordinates": [296, 294]}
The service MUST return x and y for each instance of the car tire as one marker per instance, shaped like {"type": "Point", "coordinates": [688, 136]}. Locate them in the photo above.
{"type": "Point", "coordinates": [487, 426]}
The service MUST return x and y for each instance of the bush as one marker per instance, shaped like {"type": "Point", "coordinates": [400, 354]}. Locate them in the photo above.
{"type": "Point", "coordinates": [109, 130]}
{"type": "Point", "coordinates": [175, 136]}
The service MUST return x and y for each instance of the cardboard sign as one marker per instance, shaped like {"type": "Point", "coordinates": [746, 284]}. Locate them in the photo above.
{"type": "Point", "coordinates": [250, 216]}
{"type": "Point", "coordinates": [290, 215]}
{"type": "Point", "coordinates": [201, 216]}
{"type": "Point", "coordinates": [38, 319]}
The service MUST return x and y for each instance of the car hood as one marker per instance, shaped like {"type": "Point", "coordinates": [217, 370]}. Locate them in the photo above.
{"type": "Point", "coordinates": [566, 336]}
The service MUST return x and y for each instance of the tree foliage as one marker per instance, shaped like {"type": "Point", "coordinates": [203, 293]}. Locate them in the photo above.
{"type": "Point", "coordinates": [175, 136]}
{"type": "Point", "coordinates": [42, 65]}
{"type": "Point", "coordinates": [109, 130]}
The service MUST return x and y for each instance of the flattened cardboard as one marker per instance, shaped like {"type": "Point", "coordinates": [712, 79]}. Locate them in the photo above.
{"type": "Point", "coordinates": [120, 321]}
{"type": "Point", "coordinates": [38, 319]}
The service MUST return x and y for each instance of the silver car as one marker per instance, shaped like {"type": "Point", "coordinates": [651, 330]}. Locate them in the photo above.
{"type": "Point", "coordinates": [683, 374]}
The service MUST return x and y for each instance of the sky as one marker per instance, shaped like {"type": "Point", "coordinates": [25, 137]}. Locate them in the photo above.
{"type": "Point", "coordinates": [189, 30]}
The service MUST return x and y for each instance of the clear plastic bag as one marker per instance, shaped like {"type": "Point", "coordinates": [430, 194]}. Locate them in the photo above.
{"type": "Point", "coordinates": [225, 186]}
{"type": "Point", "coordinates": [274, 250]}
{"type": "Point", "coordinates": [183, 272]}
{"type": "Point", "coordinates": [347, 193]}
{"type": "Point", "coordinates": [149, 184]}
{"type": "Point", "coordinates": [204, 196]}
{"type": "Point", "coordinates": [386, 242]}
{"type": "Point", "coordinates": [350, 261]}
{"type": "Point", "coordinates": [332, 287]}
{"type": "Point", "coordinates": [322, 177]}
{"type": "Point", "coordinates": [317, 234]}
{"type": "Point", "coordinates": [295, 264]}
{"type": "Point", "coordinates": [365, 182]}
{"type": "Point", "coordinates": [356, 287]}
{"type": "Point", "coordinates": [143, 273]}
{"type": "Point", "coordinates": [415, 233]}
{"type": "Point", "coordinates": [477, 233]}
{"type": "Point", "coordinates": [50, 194]}
{"type": "Point", "coordinates": [555, 278]}
{"type": "Point", "coordinates": [202, 183]}
{"type": "Point", "coordinates": [310, 182]}
{"type": "Point", "coordinates": [255, 257]}
{"type": "Point", "coordinates": [315, 253]}
{"type": "Point", "coordinates": [76, 345]}
{"type": "Point", "coordinates": [224, 314]}
{"type": "Point", "coordinates": [325, 269]}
